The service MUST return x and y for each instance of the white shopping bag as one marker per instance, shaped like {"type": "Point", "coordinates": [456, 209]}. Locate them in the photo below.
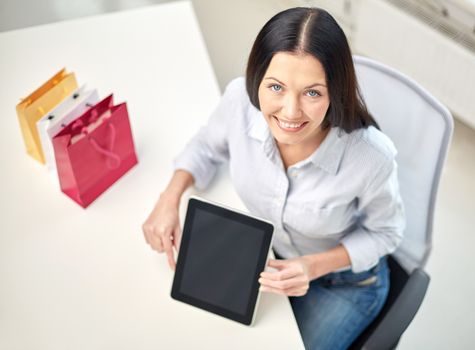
{"type": "Point", "coordinates": [53, 121]}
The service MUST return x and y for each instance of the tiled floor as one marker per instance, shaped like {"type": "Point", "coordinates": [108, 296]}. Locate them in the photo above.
{"type": "Point", "coordinates": [447, 315]}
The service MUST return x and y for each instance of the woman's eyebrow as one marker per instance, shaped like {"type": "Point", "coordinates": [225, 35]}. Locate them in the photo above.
{"type": "Point", "coordinates": [307, 87]}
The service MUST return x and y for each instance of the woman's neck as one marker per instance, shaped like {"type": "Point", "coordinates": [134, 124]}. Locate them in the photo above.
{"type": "Point", "coordinates": [292, 154]}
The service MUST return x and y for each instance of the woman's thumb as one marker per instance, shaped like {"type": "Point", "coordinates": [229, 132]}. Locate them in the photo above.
{"type": "Point", "coordinates": [177, 238]}
{"type": "Point", "coordinates": [276, 263]}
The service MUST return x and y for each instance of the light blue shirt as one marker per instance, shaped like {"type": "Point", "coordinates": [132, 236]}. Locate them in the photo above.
{"type": "Point", "coordinates": [345, 192]}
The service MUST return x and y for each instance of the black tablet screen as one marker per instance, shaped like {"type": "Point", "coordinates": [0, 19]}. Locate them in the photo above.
{"type": "Point", "coordinates": [220, 261]}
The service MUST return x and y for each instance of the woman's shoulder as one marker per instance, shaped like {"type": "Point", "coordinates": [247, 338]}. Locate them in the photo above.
{"type": "Point", "coordinates": [236, 87]}
{"type": "Point", "coordinates": [373, 143]}
{"type": "Point", "coordinates": [236, 94]}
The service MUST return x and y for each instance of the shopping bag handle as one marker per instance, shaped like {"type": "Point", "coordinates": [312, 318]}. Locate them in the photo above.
{"type": "Point", "coordinates": [113, 160]}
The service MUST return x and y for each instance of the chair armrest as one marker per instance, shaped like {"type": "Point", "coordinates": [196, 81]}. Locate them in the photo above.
{"type": "Point", "coordinates": [401, 313]}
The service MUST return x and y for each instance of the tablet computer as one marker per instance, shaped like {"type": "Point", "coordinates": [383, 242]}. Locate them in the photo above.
{"type": "Point", "coordinates": [222, 253]}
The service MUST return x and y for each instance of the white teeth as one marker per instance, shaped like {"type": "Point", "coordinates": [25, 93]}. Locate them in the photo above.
{"type": "Point", "coordinates": [288, 125]}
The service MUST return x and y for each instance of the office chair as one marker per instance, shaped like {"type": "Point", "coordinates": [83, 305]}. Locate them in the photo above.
{"type": "Point", "coordinates": [421, 129]}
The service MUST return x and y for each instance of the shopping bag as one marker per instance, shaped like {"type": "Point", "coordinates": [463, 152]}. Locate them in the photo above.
{"type": "Point", "coordinates": [94, 151]}
{"type": "Point", "coordinates": [53, 121]}
{"type": "Point", "coordinates": [33, 107]}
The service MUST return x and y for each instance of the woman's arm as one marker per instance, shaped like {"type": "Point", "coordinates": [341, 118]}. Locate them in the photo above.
{"type": "Point", "coordinates": [179, 183]}
{"type": "Point", "coordinates": [195, 165]}
{"type": "Point", "coordinates": [209, 146]}
{"type": "Point", "coordinates": [379, 233]}
{"type": "Point", "coordinates": [320, 264]}
{"type": "Point", "coordinates": [294, 275]}
{"type": "Point", "coordinates": [382, 221]}
{"type": "Point", "coordinates": [162, 227]}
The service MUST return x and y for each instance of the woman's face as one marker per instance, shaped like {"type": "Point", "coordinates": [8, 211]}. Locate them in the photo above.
{"type": "Point", "coordinates": [294, 98]}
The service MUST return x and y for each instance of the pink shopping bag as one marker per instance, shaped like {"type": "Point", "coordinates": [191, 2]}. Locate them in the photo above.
{"type": "Point", "coordinates": [94, 151]}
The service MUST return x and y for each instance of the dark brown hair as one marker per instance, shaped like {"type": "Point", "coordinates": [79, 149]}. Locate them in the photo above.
{"type": "Point", "coordinates": [311, 30]}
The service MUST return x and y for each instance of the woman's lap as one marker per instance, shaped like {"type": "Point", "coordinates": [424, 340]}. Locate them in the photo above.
{"type": "Point", "coordinates": [339, 306]}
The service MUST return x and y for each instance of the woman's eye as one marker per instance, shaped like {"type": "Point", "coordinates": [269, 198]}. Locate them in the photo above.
{"type": "Point", "coordinates": [278, 88]}
{"type": "Point", "coordinates": [313, 93]}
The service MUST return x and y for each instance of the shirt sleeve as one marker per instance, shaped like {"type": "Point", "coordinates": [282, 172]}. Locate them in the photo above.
{"type": "Point", "coordinates": [209, 146]}
{"type": "Point", "coordinates": [382, 221]}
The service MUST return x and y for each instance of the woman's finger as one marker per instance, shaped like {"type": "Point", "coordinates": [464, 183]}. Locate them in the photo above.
{"type": "Point", "coordinates": [167, 245]}
{"type": "Point", "coordinates": [278, 263]}
{"type": "Point", "coordinates": [156, 242]}
{"type": "Point", "coordinates": [280, 275]}
{"type": "Point", "coordinates": [272, 290]}
{"type": "Point", "coordinates": [177, 237]}
{"type": "Point", "coordinates": [146, 232]}
{"type": "Point", "coordinates": [300, 291]}
{"type": "Point", "coordinates": [298, 282]}
{"type": "Point", "coordinates": [152, 238]}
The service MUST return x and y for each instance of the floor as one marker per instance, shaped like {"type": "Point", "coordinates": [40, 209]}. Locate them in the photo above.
{"type": "Point", "coordinates": [447, 315]}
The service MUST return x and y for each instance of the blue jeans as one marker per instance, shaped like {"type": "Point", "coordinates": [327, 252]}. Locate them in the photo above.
{"type": "Point", "coordinates": [339, 306]}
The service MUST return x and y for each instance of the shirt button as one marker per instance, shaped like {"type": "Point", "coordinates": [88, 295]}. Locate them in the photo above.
{"type": "Point", "coordinates": [294, 173]}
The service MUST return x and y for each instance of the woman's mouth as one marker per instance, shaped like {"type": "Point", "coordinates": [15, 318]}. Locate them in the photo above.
{"type": "Point", "coordinates": [289, 127]}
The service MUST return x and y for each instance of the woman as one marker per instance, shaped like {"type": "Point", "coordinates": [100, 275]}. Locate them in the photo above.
{"type": "Point", "coordinates": [304, 153]}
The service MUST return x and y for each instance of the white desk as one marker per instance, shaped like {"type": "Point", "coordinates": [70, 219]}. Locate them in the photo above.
{"type": "Point", "coordinates": [85, 279]}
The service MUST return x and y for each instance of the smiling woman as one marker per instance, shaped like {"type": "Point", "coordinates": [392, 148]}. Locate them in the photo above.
{"type": "Point", "coordinates": [305, 154]}
{"type": "Point", "coordinates": [296, 109]}
{"type": "Point", "coordinates": [314, 46]}
{"type": "Point", "coordinates": [287, 80]}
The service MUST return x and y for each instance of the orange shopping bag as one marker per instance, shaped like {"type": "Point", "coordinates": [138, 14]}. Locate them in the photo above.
{"type": "Point", "coordinates": [42, 100]}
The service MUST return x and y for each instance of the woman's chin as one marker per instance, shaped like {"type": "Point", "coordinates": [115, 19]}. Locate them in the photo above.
{"type": "Point", "coordinates": [286, 140]}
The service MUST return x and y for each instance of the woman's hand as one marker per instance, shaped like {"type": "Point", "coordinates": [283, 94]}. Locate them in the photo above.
{"type": "Point", "coordinates": [292, 279]}
{"type": "Point", "coordinates": [294, 275]}
{"type": "Point", "coordinates": [162, 228]}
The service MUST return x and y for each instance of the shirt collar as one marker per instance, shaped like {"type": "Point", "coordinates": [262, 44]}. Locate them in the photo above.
{"type": "Point", "coordinates": [258, 128]}
{"type": "Point", "coordinates": [330, 152]}
{"type": "Point", "coordinates": [327, 156]}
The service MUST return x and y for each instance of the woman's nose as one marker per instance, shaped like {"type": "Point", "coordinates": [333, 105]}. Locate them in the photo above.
{"type": "Point", "coordinates": [291, 108]}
